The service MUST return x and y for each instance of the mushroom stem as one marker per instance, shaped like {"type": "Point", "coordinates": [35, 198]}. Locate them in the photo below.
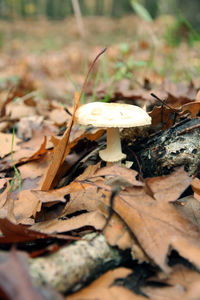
{"type": "Point", "coordinates": [113, 151]}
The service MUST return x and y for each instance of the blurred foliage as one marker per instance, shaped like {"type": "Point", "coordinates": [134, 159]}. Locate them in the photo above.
{"type": "Point", "coordinates": [60, 9]}
{"type": "Point", "coordinates": [181, 30]}
{"type": "Point", "coordinates": [141, 11]}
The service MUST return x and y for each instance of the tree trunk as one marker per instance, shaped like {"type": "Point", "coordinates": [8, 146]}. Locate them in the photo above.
{"type": "Point", "coordinates": [99, 7]}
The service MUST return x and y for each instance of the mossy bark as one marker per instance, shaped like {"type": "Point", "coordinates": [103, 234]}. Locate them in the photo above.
{"type": "Point", "coordinates": [177, 146]}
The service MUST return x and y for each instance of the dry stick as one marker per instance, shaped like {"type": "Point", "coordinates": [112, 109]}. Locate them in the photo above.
{"type": "Point", "coordinates": [80, 25]}
{"type": "Point", "coordinates": [71, 267]}
{"type": "Point", "coordinates": [176, 111]}
{"type": "Point", "coordinates": [164, 103]}
{"type": "Point", "coordinates": [79, 19]}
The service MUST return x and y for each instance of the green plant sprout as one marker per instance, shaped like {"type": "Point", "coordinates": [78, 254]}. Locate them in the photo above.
{"type": "Point", "coordinates": [17, 174]}
{"type": "Point", "coordinates": [121, 70]}
{"type": "Point", "coordinates": [141, 11]}
{"type": "Point", "coordinates": [71, 80]}
{"type": "Point", "coordinates": [124, 48]}
{"type": "Point", "coordinates": [104, 67]}
{"type": "Point", "coordinates": [124, 70]}
{"type": "Point", "coordinates": [97, 79]}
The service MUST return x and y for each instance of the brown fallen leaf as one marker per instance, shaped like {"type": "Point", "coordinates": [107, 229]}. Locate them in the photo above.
{"type": "Point", "coordinates": [83, 195]}
{"type": "Point", "coordinates": [18, 109]}
{"type": "Point", "coordinates": [193, 108]}
{"type": "Point", "coordinates": [34, 169]}
{"type": "Point", "coordinates": [182, 284]}
{"type": "Point", "coordinates": [14, 278]}
{"type": "Point", "coordinates": [117, 234]}
{"type": "Point", "coordinates": [17, 233]}
{"type": "Point", "coordinates": [9, 98]}
{"type": "Point", "coordinates": [59, 150]}
{"type": "Point", "coordinates": [103, 288]}
{"type": "Point", "coordinates": [155, 222]}
{"type": "Point", "coordinates": [59, 116]}
{"type": "Point", "coordinates": [164, 117]}
{"type": "Point", "coordinates": [189, 207]}
{"type": "Point", "coordinates": [4, 195]}
{"type": "Point", "coordinates": [168, 293]}
{"type": "Point", "coordinates": [27, 125]}
{"type": "Point", "coordinates": [170, 187]}
{"type": "Point", "coordinates": [25, 153]}
{"type": "Point", "coordinates": [196, 188]}
{"type": "Point", "coordinates": [42, 149]}
{"type": "Point", "coordinates": [6, 144]}
{"type": "Point", "coordinates": [122, 175]}
{"type": "Point", "coordinates": [58, 195]}
{"type": "Point", "coordinates": [26, 206]}
{"type": "Point", "coordinates": [3, 182]}
{"type": "Point", "coordinates": [84, 148]}
{"type": "Point", "coordinates": [93, 219]}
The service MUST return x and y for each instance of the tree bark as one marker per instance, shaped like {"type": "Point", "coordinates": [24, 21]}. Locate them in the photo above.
{"type": "Point", "coordinates": [177, 146]}
{"type": "Point", "coordinates": [71, 267]}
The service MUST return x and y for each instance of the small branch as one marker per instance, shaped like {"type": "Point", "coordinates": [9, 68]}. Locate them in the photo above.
{"type": "Point", "coordinates": [71, 267]}
{"type": "Point", "coordinates": [79, 19]}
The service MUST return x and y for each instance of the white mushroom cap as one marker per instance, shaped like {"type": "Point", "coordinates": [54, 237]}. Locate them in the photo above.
{"type": "Point", "coordinates": [112, 116]}
{"type": "Point", "coordinates": [101, 114]}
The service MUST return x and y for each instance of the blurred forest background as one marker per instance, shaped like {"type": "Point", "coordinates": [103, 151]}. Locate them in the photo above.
{"type": "Point", "coordinates": [53, 41]}
{"type": "Point", "coordinates": [60, 9]}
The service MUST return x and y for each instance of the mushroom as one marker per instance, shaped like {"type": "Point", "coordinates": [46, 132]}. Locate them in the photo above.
{"type": "Point", "coordinates": [112, 116]}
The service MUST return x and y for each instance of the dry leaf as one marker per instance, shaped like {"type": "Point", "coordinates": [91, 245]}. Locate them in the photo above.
{"type": "Point", "coordinates": [103, 288]}
{"type": "Point", "coordinates": [193, 108]}
{"type": "Point", "coordinates": [196, 188]}
{"type": "Point", "coordinates": [59, 150]}
{"type": "Point", "coordinates": [182, 284]}
{"type": "Point", "coordinates": [29, 152]}
{"type": "Point", "coordinates": [26, 206]}
{"type": "Point", "coordinates": [26, 126]}
{"type": "Point", "coordinates": [17, 233]}
{"type": "Point", "coordinates": [170, 187]}
{"type": "Point", "coordinates": [189, 207]}
{"type": "Point", "coordinates": [18, 110]}
{"type": "Point", "coordinates": [117, 233]}
{"type": "Point", "coordinates": [157, 226]}
{"type": "Point", "coordinates": [3, 182]}
{"type": "Point", "coordinates": [122, 176]}
{"type": "Point", "coordinates": [15, 280]}
{"type": "Point", "coordinates": [58, 195]}
{"type": "Point", "coordinates": [162, 116]}
{"type": "Point", "coordinates": [93, 219]}
{"type": "Point", "coordinates": [59, 116]}
{"type": "Point", "coordinates": [156, 223]}
{"type": "Point", "coordinates": [6, 144]}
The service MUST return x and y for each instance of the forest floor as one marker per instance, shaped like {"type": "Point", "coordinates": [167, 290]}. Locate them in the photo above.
{"type": "Point", "coordinates": [56, 192]}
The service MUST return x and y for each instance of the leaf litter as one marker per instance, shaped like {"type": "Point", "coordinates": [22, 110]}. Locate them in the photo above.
{"type": "Point", "coordinates": [66, 192]}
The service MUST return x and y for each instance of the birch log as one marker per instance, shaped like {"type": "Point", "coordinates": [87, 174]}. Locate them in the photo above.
{"type": "Point", "coordinates": [71, 267]}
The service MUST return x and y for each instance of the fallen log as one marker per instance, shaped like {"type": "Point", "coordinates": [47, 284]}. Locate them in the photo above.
{"type": "Point", "coordinates": [177, 146]}
{"type": "Point", "coordinates": [73, 266]}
